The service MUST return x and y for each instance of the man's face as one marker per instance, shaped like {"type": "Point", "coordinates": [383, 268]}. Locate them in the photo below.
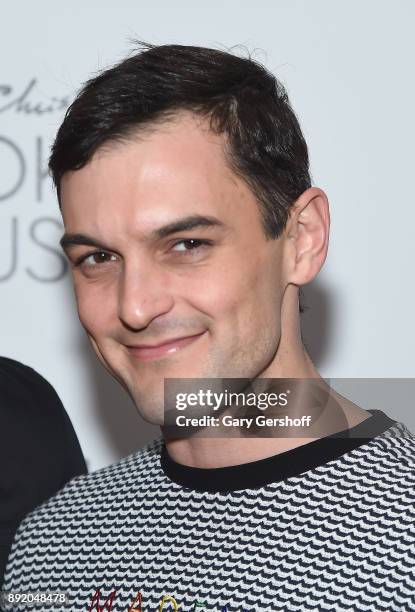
{"type": "Point", "coordinates": [141, 280]}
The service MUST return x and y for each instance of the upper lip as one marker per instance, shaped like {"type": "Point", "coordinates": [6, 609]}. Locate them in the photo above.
{"type": "Point", "coordinates": [167, 341]}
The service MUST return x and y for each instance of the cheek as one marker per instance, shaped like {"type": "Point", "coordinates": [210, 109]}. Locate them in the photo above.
{"type": "Point", "coordinates": [95, 310]}
{"type": "Point", "coordinates": [237, 292]}
{"type": "Point", "coordinates": [254, 302]}
{"type": "Point", "coordinates": [212, 291]}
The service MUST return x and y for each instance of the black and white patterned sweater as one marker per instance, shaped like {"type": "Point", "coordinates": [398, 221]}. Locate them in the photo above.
{"type": "Point", "coordinates": [329, 525]}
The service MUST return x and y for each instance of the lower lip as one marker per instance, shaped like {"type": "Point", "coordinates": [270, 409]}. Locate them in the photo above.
{"type": "Point", "coordinates": [170, 348]}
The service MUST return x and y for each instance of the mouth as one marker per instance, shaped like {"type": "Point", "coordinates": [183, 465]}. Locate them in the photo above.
{"type": "Point", "coordinates": [147, 352]}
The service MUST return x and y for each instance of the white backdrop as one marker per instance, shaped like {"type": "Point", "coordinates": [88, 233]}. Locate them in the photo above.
{"type": "Point", "coordinates": [349, 71]}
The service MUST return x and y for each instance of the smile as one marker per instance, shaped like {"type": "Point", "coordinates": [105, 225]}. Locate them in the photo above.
{"type": "Point", "coordinates": [146, 353]}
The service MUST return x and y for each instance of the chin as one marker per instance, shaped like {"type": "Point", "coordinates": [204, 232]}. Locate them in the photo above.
{"type": "Point", "coordinates": [149, 402]}
{"type": "Point", "coordinates": [154, 415]}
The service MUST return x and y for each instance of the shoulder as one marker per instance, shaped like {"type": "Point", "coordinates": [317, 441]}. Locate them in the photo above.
{"type": "Point", "coordinates": [20, 383]}
{"type": "Point", "coordinates": [397, 445]}
{"type": "Point", "coordinates": [87, 507]}
{"type": "Point", "coordinates": [19, 372]}
{"type": "Point", "coordinates": [115, 479]}
{"type": "Point", "coordinates": [36, 427]}
{"type": "Point", "coordinates": [97, 490]}
{"type": "Point", "coordinates": [383, 469]}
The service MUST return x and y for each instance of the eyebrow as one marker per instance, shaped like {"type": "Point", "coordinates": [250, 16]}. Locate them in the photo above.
{"type": "Point", "coordinates": [181, 225]}
{"type": "Point", "coordinates": [185, 224]}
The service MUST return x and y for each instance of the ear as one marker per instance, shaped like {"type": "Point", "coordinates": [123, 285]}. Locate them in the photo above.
{"type": "Point", "coordinates": [307, 237]}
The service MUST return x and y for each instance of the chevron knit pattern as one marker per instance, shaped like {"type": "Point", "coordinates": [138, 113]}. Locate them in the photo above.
{"type": "Point", "coordinates": [338, 537]}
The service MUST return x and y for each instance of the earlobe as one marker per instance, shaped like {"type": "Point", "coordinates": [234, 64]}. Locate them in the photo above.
{"type": "Point", "coordinates": [307, 236]}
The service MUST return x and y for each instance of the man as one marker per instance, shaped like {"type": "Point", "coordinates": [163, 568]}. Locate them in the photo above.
{"type": "Point", "coordinates": [190, 224]}
{"type": "Point", "coordinates": [39, 450]}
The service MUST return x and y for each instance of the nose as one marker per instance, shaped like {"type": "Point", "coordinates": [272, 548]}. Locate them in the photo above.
{"type": "Point", "coordinates": [143, 295]}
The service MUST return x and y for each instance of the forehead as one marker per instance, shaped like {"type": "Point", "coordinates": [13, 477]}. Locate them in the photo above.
{"type": "Point", "coordinates": [175, 168]}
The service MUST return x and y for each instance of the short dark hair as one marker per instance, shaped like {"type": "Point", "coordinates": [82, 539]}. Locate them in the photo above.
{"type": "Point", "coordinates": [241, 99]}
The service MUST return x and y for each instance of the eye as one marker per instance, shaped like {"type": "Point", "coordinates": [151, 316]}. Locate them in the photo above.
{"type": "Point", "coordinates": [190, 244]}
{"type": "Point", "coordinates": [94, 259]}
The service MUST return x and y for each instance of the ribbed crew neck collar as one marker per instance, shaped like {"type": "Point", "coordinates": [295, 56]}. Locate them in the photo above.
{"type": "Point", "coordinates": [277, 467]}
